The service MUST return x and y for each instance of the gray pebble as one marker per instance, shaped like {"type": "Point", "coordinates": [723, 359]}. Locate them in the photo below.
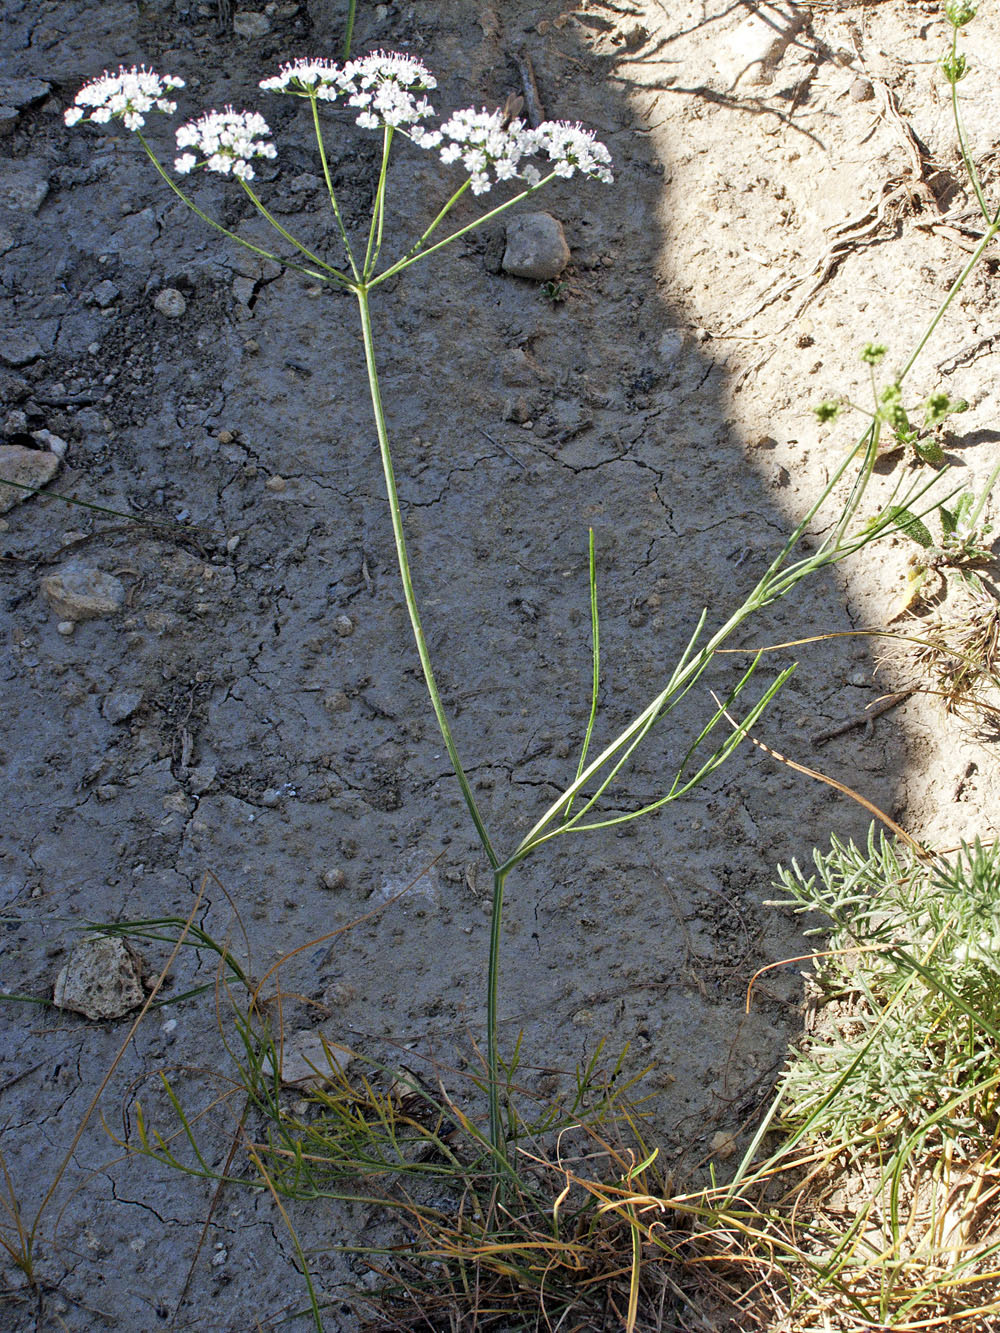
{"type": "Point", "coordinates": [105, 293]}
{"type": "Point", "coordinates": [19, 347]}
{"type": "Point", "coordinates": [170, 302]}
{"type": "Point", "coordinates": [22, 186]}
{"type": "Point", "coordinates": [120, 704]}
{"type": "Point", "coordinates": [251, 24]}
{"type": "Point", "coordinates": [202, 778]}
{"type": "Point", "coordinates": [344, 626]}
{"type": "Point", "coordinates": [536, 247]}
{"type": "Point", "coordinates": [334, 879]}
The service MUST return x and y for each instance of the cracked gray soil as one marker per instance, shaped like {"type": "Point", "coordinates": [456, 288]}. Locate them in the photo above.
{"type": "Point", "coordinates": [719, 289]}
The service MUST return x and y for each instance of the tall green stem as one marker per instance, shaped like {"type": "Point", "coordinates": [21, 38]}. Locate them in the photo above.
{"type": "Point", "coordinates": [349, 30]}
{"type": "Point", "coordinates": [282, 231]}
{"type": "Point", "coordinates": [404, 571]}
{"type": "Point", "coordinates": [410, 258]}
{"type": "Point", "coordinates": [497, 1137]}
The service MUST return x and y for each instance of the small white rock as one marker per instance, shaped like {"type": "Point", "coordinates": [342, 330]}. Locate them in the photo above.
{"type": "Point", "coordinates": [65, 628]}
{"type": "Point", "coordinates": [170, 302]}
{"type": "Point", "coordinates": [54, 443]}
{"type": "Point", "coordinates": [101, 980]}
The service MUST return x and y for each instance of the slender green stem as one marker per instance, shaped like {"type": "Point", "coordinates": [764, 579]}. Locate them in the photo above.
{"type": "Point", "coordinates": [303, 249]}
{"type": "Point", "coordinates": [247, 245]}
{"type": "Point", "coordinates": [405, 262]}
{"type": "Point", "coordinates": [963, 143]}
{"type": "Point", "coordinates": [404, 571]}
{"type": "Point", "coordinates": [980, 504]}
{"type": "Point", "coordinates": [497, 1137]}
{"type": "Point", "coordinates": [596, 660]}
{"type": "Point", "coordinates": [956, 286]}
{"type": "Point", "coordinates": [329, 185]}
{"type": "Point", "coordinates": [349, 30]}
{"type": "Point", "coordinates": [378, 210]}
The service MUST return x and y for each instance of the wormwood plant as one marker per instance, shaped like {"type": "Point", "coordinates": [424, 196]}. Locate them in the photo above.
{"type": "Point", "coordinates": [389, 94]}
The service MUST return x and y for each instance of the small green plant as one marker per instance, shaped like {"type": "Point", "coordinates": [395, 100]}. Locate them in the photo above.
{"type": "Point", "coordinates": [555, 291]}
{"type": "Point", "coordinates": [372, 1130]}
{"type": "Point", "coordinates": [889, 414]}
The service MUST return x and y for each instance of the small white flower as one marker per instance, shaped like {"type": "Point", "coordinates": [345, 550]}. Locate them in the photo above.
{"type": "Point", "coordinates": [127, 96]}
{"type": "Point", "coordinates": [571, 148]}
{"type": "Point", "coordinates": [228, 142]}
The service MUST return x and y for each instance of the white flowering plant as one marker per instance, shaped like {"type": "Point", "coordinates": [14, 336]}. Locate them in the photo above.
{"type": "Point", "coordinates": [389, 93]}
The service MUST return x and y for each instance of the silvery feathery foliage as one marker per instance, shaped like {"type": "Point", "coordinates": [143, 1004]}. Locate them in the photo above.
{"type": "Point", "coordinates": [228, 142]}
{"type": "Point", "coordinates": [125, 96]}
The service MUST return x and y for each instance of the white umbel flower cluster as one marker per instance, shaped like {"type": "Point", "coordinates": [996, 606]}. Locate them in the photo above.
{"type": "Point", "coordinates": [126, 96]}
{"type": "Point", "coordinates": [227, 142]}
{"type": "Point", "coordinates": [571, 148]}
{"type": "Point", "coordinates": [307, 78]}
{"type": "Point", "coordinates": [489, 149]}
{"type": "Point", "coordinates": [384, 86]}
{"type": "Point", "coordinates": [484, 144]}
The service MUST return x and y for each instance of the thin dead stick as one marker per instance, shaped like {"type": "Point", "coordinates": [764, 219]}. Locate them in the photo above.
{"type": "Point", "coordinates": [869, 715]}
{"type": "Point", "coordinates": [887, 820]}
{"type": "Point", "coordinates": [809, 958]}
{"type": "Point", "coordinates": [532, 101]}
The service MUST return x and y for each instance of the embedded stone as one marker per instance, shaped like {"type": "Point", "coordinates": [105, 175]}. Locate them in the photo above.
{"type": "Point", "coordinates": [120, 705]}
{"type": "Point", "coordinates": [22, 92]}
{"type": "Point", "coordinates": [81, 592]}
{"type": "Point", "coordinates": [536, 247]}
{"type": "Point", "coordinates": [251, 23]}
{"type": "Point", "coordinates": [22, 187]}
{"type": "Point", "coordinates": [106, 293]}
{"type": "Point", "coordinates": [101, 980]}
{"type": "Point", "coordinates": [305, 1061]}
{"type": "Point", "coordinates": [23, 467]}
{"type": "Point", "coordinates": [19, 347]}
{"type": "Point", "coordinates": [170, 302]}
